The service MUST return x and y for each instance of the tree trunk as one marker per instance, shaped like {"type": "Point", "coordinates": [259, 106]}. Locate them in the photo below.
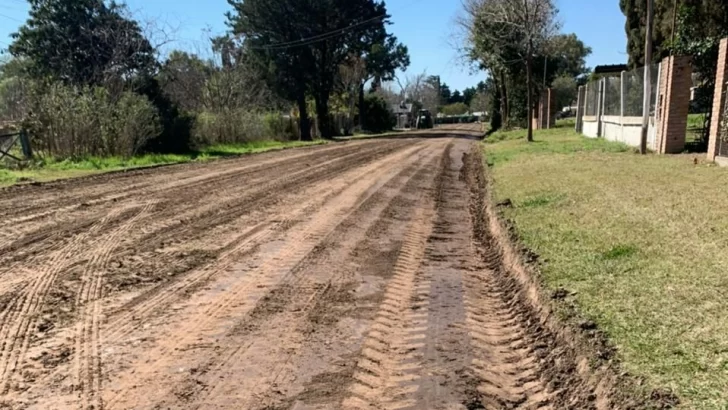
{"type": "Point", "coordinates": [505, 103]}
{"type": "Point", "coordinates": [322, 112]}
{"type": "Point", "coordinates": [529, 95]}
{"type": "Point", "coordinates": [362, 108]}
{"type": "Point", "coordinates": [305, 122]}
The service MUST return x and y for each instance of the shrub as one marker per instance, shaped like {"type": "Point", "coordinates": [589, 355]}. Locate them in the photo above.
{"type": "Point", "coordinates": [240, 126]}
{"type": "Point", "coordinates": [69, 122]}
{"type": "Point", "coordinates": [378, 116]}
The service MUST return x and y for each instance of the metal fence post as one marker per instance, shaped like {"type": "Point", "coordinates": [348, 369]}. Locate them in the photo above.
{"type": "Point", "coordinates": [580, 107]}
{"type": "Point", "coordinates": [25, 145]}
{"type": "Point", "coordinates": [600, 105]}
{"type": "Point", "coordinates": [623, 94]}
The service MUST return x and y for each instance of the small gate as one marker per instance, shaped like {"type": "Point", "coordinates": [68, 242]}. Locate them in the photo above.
{"type": "Point", "coordinates": [8, 142]}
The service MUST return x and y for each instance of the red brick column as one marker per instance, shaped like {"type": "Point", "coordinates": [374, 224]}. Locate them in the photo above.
{"type": "Point", "coordinates": [674, 106]}
{"type": "Point", "coordinates": [552, 109]}
{"type": "Point", "coordinates": [718, 100]}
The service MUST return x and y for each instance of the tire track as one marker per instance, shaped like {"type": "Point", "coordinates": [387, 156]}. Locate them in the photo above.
{"type": "Point", "coordinates": [389, 362]}
{"type": "Point", "coordinates": [249, 290]}
{"type": "Point", "coordinates": [124, 324]}
{"type": "Point", "coordinates": [505, 362]}
{"type": "Point", "coordinates": [308, 292]}
{"type": "Point", "coordinates": [141, 308]}
{"type": "Point", "coordinates": [87, 354]}
{"type": "Point", "coordinates": [15, 330]}
{"type": "Point", "coordinates": [39, 236]}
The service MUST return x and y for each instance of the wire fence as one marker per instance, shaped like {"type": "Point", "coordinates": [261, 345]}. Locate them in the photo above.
{"type": "Point", "coordinates": [611, 93]}
{"type": "Point", "coordinates": [612, 96]}
{"type": "Point", "coordinates": [591, 99]}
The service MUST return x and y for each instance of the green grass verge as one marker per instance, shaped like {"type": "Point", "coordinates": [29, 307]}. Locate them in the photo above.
{"type": "Point", "coordinates": [49, 169]}
{"type": "Point", "coordinates": [642, 243]}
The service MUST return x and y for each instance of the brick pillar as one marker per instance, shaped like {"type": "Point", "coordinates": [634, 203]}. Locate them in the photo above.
{"type": "Point", "coordinates": [719, 100]}
{"type": "Point", "coordinates": [542, 108]}
{"type": "Point", "coordinates": [552, 109]}
{"type": "Point", "coordinates": [580, 106]}
{"type": "Point", "coordinates": [675, 87]}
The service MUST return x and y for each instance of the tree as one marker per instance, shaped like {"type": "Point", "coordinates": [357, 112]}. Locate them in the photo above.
{"type": "Point", "coordinates": [385, 56]}
{"type": "Point", "coordinates": [698, 34]}
{"type": "Point", "coordinates": [469, 94]}
{"type": "Point", "coordinates": [83, 42]}
{"type": "Point", "coordinates": [455, 98]}
{"type": "Point", "coordinates": [183, 77]}
{"type": "Point", "coordinates": [422, 90]}
{"type": "Point", "coordinates": [519, 28]}
{"type": "Point", "coordinates": [455, 109]}
{"type": "Point", "coordinates": [565, 87]}
{"type": "Point", "coordinates": [480, 102]}
{"type": "Point", "coordinates": [709, 20]}
{"type": "Point", "coordinates": [445, 94]}
{"type": "Point", "coordinates": [302, 44]}
{"type": "Point", "coordinates": [565, 55]}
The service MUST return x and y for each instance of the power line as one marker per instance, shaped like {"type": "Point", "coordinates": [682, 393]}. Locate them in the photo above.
{"type": "Point", "coordinates": [319, 37]}
{"type": "Point", "coordinates": [10, 18]}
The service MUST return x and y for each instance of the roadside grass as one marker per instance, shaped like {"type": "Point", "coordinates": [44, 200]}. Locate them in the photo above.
{"type": "Point", "coordinates": [642, 242]}
{"type": "Point", "coordinates": [48, 169]}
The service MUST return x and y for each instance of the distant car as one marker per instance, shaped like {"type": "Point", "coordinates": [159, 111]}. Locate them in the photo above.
{"type": "Point", "coordinates": [424, 120]}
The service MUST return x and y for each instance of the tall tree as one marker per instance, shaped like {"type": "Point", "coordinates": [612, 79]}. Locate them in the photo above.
{"type": "Point", "coordinates": [183, 77]}
{"type": "Point", "coordinates": [303, 44]}
{"type": "Point", "coordinates": [445, 94]}
{"type": "Point", "coordinates": [469, 94]}
{"type": "Point", "coordinates": [382, 60]}
{"type": "Point", "coordinates": [512, 28]}
{"type": "Point", "coordinates": [83, 42]}
{"type": "Point", "coordinates": [708, 19]}
{"type": "Point", "coordinates": [455, 98]}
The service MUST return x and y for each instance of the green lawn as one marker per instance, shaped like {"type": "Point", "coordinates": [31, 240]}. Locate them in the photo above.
{"type": "Point", "coordinates": [48, 169]}
{"type": "Point", "coordinates": [642, 242]}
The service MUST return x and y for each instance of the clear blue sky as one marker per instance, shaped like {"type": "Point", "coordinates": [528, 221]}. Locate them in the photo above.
{"type": "Point", "coordinates": [425, 26]}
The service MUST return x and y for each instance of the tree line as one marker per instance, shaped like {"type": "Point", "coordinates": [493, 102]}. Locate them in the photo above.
{"type": "Point", "coordinates": [89, 79]}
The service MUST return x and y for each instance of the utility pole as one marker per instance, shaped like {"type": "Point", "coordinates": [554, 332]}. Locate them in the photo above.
{"type": "Point", "coordinates": [674, 23]}
{"type": "Point", "coordinates": [648, 79]}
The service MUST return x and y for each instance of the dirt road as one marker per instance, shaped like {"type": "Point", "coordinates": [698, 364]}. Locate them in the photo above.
{"type": "Point", "coordinates": [347, 276]}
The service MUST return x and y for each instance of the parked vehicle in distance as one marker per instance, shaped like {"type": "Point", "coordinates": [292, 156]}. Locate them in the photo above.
{"type": "Point", "coordinates": [424, 120]}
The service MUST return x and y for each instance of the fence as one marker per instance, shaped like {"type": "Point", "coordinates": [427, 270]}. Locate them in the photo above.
{"type": "Point", "coordinates": [723, 127]}
{"type": "Point", "coordinates": [8, 141]}
{"type": "Point", "coordinates": [613, 107]}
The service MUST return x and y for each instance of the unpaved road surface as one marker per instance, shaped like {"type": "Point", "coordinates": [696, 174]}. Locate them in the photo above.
{"type": "Point", "coordinates": [345, 276]}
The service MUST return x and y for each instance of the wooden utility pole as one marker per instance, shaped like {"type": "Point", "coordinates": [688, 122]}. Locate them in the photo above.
{"type": "Point", "coordinates": [648, 78]}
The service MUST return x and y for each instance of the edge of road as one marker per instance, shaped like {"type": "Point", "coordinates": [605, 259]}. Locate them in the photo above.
{"type": "Point", "coordinates": [598, 366]}
{"type": "Point", "coordinates": [144, 168]}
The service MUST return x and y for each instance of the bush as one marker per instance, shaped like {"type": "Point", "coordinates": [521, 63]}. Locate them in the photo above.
{"type": "Point", "coordinates": [240, 126]}
{"type": "Point", "coordinates": [69, 122]}
{"type": "Point", "coordinates": [378, 116]}
{"type": "Point", "coordinates": [462, 119]}
{"type": "Point", "coordinates": [278, 127]}
{"type": "Point", "coordinates": [455, 109]}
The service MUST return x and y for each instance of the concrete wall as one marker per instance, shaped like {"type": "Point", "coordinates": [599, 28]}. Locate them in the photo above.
{"type": "Point", "coordinates": [590, 127]}
{"type": "Point", "coordinates": [628, 130]}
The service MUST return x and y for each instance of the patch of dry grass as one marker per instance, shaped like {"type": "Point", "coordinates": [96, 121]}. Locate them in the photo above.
{"type": "Point", "coordinates": [641, 241]}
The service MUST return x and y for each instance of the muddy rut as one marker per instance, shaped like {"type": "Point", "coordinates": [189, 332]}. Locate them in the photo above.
{"type": "Point", "coordinates": [348, 276]}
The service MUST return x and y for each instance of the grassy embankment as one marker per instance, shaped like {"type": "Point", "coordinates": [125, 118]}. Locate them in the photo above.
{"type": "Point", "coordinates": [49, 169]}
{"type": "Point", "coordinates": [641, 243]}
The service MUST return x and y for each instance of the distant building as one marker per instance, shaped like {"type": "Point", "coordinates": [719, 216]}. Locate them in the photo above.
{"type": "Point", "coordinates": [610, 69]}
